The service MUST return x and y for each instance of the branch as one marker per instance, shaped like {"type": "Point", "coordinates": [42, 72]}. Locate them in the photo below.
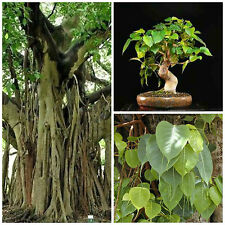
{"type": "Point", "coordinates": [52, 10]}
{"type": "Point", "coordinates": [94, 79]}
{"type": "Point", "coordinates": [10, 111]}
{"type": "Point", "coordinates": [81, 50]}
{"type": "Point", "coordinates": [12, 138]}
{"type": "Point", "coordinates": [103, 67]}
{"type": "Point", "coordinates": [13, 76]}
{"type": "Point", "coordinates": [96, 95]}
{"type": "Point", "coordinates": [53, 48]}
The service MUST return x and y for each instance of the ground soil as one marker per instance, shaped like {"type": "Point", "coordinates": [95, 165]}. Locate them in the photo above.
{"type": "Point", "coordinates": [18, 215]}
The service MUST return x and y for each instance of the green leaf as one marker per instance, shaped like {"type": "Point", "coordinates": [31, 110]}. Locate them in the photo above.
{"type": "Point", "coordinates": [127, 43]}
{"type": "Point", "coordinates": [209, 211]}
{"type": "Point", "coordinates": [205, 165]}
{"type": "Point", "coordinates": [156, 159]}
{"type": "Point", "coordinates": [121, 145]}
{"type": "Point", "coordinates": [173, 218]}
{"type": "Point", "coordinates": [188, 23]}
{"type": "Point", "coordinates": [201, 199]}
{"type": "Point", "coordinates": [145, 185]}
{"type": "Point", "coordinates": [148, 175]}
{"type": "Point", "coordinates": [190, 31]}
{"type": "Point", "coordinates": [131, 158]}
{"type": "Point", "coordinates": [117, 137]}
{"type": "Point", "coordinates": [126, 219]}
{"type": "Point", "coordinates": [126, 197]}
{"type": "Point", "coordinates": [152, 209]}
{"type": "Point", "coordinates": [132, 138]}
{"type": "Point", "coordinates": [148, 40]}
{"type": "Point", "coordinates": [172, 178]}
{"type": "Point", "coordinates": [219, 183]}
{"type": "Point", "coordinates": [208, 118]}
{"type": "Point", "coordinates": [143, 221]}
{"type": "Point", "coordinates": [215, 195]}
{"type": "Point", "coordinates": [171, 138]}
{"type": "Point", "coordinates": [174, 36]}
{"type": "Point", "coordinates": [158, 36]}
{"type": "Point", "coordinates": [186, 161]}
{"type": "Point", "coordinates": [188, 184]}
{"type": "Point", "coordinates": [6, 36]}
{"type": "Point", "coordinates": [140, 31]}
{"type": "Point", "coordinates": [184, 65]}
{"type": "Point", "coordinates": [170, 197]}
{"type": "Point", "coordinates": [135, 37]}
{"type": "Point", "coordinates": [198, 39]}
{"type": "Point", "coordinates": [155, 174]}
{"type": "Point", "coordinates": [155, 49]}
{"type": "Point", "coordinates": [139, 197]}
{"type": "Point", "coordinates": [127, 208]}
{"type": "Point", "coordinates": [168, 19]}
{"type": "Point", "coordinates": [142, 148]}
{"type": "Point", "coordinates": [193, 58]}
{"type": "Point", "coordinates": [195, 139]}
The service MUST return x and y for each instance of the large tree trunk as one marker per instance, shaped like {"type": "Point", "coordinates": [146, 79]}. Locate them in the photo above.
{"type": "Point", "coordinates": [54, 173]}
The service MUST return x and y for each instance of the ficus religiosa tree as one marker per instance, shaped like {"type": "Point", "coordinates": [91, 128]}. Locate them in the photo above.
{"type": "Point", "coordinates": [55, 109]}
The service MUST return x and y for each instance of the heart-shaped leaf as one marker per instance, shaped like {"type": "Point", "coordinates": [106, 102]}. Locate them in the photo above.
{"type": "Point", "coordinates": [172, 178]}
{"type": "Point", "coordinates": [215, 195]}
{"type": "Point", "coordinates": [205, 165]}
{"type": "Point", "coordinates": [171, 139]}
{"type": "Point", "coordinates": [195, 139]}
{"type": "Point", "coordinates": [188, 184]}
{"type": "Point", "coordinates": [186, 160]}
{"type": "Point", "coordinates": [201, 199]}
{"type": "Point", "coordinates": [158, 162]}
{"type": "Point", "coordinates": [142, 148]}
{"type": "Point", "coordinates": [209, 211]}
{"type": "Point", "coordinates": [208, 118]}
{"type": "Point", "coordinates": [127, 208]}
{"type": "Point", "coordinates": [158, 36]}
{"type": "Point", "coordinates": [148, 40]}
{"type": "Point", "coordinates": [132, 158]}
{"type": "Point", "coordinates": [152, 209]}
{"type": "Point", "coordinates": [139, 196]}
{"type": "Point", "coordinates": [170, 197]}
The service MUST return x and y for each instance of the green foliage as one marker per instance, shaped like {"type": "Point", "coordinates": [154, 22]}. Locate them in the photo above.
{"type": "Point", "coordinates": [184, 178]}
{"type": "Point", "coordinates": [85, 18]}
{"type": "Point", "coordinates": [175, 40]}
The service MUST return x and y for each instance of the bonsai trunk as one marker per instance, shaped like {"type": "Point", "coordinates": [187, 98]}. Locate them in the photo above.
{"type": "Point", "coordinates": [169, 78]}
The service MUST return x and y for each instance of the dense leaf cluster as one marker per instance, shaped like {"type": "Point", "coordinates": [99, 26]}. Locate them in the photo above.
{"type": "Point", "coordinates": [175, 41]}
{"type": "Point", "coordinates": [180, 163]}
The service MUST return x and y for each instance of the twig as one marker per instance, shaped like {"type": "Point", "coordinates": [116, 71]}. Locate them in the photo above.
{"type": "Point", "coordinates": [52, 11]}
{"type": "Point", "coordinates": [128, 123]}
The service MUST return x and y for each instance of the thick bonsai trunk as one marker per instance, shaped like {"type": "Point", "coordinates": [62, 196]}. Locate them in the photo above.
{"type": "Point", "coordinates": [169, 78]}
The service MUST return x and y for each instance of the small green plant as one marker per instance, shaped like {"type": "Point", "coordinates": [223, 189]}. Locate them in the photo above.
{"type": "Point", "coordinates": [169, 174]}
{"type": "Point", "coordinates": [173, 42]}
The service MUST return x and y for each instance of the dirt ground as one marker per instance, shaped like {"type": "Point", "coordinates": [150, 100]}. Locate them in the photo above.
{"type": "Point", "coordinates": [18, 215]}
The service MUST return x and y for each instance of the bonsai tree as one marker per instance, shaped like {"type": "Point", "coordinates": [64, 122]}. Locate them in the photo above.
{"type": "Point", "coordinates": [170, 43]}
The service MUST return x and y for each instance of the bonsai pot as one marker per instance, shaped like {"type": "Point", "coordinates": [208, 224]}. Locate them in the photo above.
{"type": "Point", "coordinates": [154, 99]}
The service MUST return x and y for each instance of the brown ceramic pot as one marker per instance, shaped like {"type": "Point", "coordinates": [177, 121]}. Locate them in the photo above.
{"type": "Point", "coordinates": [145, 100]}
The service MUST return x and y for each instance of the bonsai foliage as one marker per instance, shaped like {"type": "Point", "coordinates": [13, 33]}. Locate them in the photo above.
{"type": "Point", "coordinates": [173, 42]}
{"type": "Point", "coordinates": [166, 176]}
